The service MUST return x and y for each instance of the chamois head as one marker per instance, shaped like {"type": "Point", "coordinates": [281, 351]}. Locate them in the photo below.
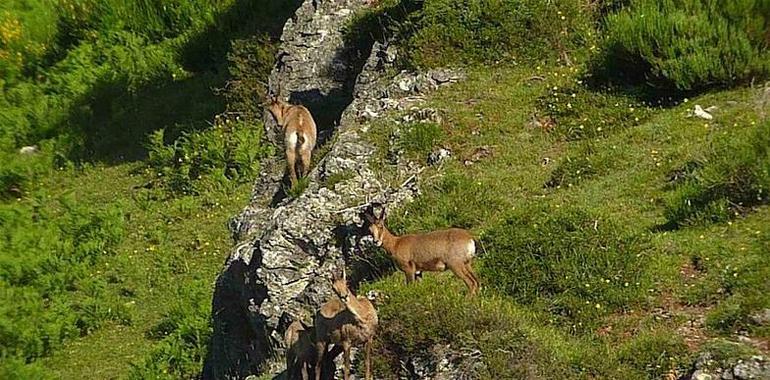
{"type": "Point", "coordinates": [340, 287]}
{"type": "Point", "coordinates": [276, 107]}
{"type": "Point", "coordinates": [376, 225]}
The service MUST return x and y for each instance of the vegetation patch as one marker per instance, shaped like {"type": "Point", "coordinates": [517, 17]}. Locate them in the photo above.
{"type": "Point", "coordinates": [196, 163]}
{"type": "Point", "coordinates": [47, 290]}
{"type": "Point", "coordinates": [579, 263]}
{"type": "Point", "coordinates": [729, 181]}
{"type": "Point", "coordinates": [580, 113]}
{"type": "Point", "coordinates": [686, 45]}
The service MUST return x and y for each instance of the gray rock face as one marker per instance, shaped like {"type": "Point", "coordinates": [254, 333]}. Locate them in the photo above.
{"type": "Point", "coordinates": [289, 248]}
{"type": "Point", "coordinates": [756, 367]}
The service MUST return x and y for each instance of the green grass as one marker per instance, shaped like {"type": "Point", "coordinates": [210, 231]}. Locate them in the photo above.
{"type": "Point", "coordinates": [586, 262]}
{"type": "Point", "coordinates": [163, 272]}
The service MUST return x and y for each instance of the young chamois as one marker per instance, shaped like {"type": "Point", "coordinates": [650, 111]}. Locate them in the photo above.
{"type": "Point", "coordinates": [300, 350]}
{"type": "Point", "coordinates": [345, 320]}
{"type": "Point", "coordinates": [301, 355]}
{"type": "Point", "coordinates": [435, 251]}
{"type": "Point", "coordinates": [299, 135]}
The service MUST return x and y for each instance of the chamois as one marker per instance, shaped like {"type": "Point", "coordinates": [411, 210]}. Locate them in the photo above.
{"type": "Point", "coordinates": [299, 135]}
{"type": "Point", "coordinates": [435, 251]}
{"type": "Point", "coordinates": [345, 321]}
{"type": "Point", "coordinates": [300, 350]}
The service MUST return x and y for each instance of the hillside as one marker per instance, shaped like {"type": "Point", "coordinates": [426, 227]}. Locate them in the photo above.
{"type": "Point", "coordinates": [621, 235]}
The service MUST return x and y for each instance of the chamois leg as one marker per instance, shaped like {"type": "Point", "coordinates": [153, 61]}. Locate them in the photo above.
{"type": "Point", "coordinates": [459, 271]}
{"type": "Point", "coordinates": [368, 362]}
{"type": "Point", "coordinates": [320, 348]}
{"type": "Point", "coordinates": [305, 152]}
{"type": "Point", "coordinates": [469, 272]}
{"type": "Point", "coordinates": [409, 271]}
{"type": "Point", "coordinates": [346, 348]}
{"type": "Point", "coordinates": [291, 164]}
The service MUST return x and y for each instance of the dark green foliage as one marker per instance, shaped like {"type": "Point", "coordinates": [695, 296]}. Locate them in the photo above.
{"type": "Point", "coordinates": [579, 263]}
{"type": "Point", "coordinates": [250, 62]}
{"type": "Point", "coordinates": [195, 163]}
{"type": "Point", "coordinates": [734, 177]}
{"type": "Point", "coordinates": [15, 368]}
{"type": "Point", "coordinates": [47, 255]}
{"type": "Point", "coordinates": [183, 336]}
{"type": "Point", "coordinates": [418, 140]}
{"type": "Point", "coordinates": [687, 44]}
{"type": "Point", "coordinates": [450, 32]}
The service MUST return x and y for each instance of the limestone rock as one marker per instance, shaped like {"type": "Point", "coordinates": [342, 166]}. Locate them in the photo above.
{"type": "Point", "coordinates": [288, 249]}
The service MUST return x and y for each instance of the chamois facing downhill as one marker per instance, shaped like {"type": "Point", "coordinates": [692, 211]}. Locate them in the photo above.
{"type": "Point", "coordinates": [345, 320]}
{"type": "Point", "coordinates": [299, 134]}
{"type": "Point", "coordinates": [435, 251]}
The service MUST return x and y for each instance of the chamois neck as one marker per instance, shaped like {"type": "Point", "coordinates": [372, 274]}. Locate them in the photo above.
{"type": "Point", "coordinates": [389, 240]}
{"type": "Point", "coordinates": [356, 308]}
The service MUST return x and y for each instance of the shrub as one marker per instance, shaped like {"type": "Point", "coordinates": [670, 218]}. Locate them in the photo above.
{"type": "Point", "coordinates": [197, 162]}
{"type": "Point", "coordinates": [436, 33]}
{"type": "Point", "coordinates": [687, 44]}
{"type": "Point", "coordinates": [734, 176]}
{"type": "Point", "coordinates": [580, 264]}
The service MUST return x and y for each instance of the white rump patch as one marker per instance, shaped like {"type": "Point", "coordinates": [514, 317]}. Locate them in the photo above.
{"type": "Point", "coordinates": [291, 139]}
{"type": "Point", "coordinates": [471, 248]}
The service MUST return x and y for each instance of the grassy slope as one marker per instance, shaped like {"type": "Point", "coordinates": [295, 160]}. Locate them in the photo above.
{"type": "Point", "coordinates": [171, 249]}
{"type": "Point", "coordinates": [645, 338]}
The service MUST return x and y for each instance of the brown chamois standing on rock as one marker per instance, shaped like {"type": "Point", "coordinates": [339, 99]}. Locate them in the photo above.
{"type": "Point", "coordinates": [345, 320]}
{"type": "Point", "coordinates": [435, 251]}
{"type": "Point", "coordinates": [299, 135]}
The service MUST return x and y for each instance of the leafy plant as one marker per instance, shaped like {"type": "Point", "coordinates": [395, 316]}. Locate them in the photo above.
{"type": "Point", "coordinates": [198, 162]}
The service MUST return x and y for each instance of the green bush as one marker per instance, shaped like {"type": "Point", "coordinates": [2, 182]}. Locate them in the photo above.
{"type": "Point", "coordinates": [197, 162]}
{"type": "Point", "coordinates": [445, 32]}
{"type": "Point", "coordinates": [580, 264]}
{"type": "Point", "coordinates": [450, 32]}
{"type": "Point", "coordinates": [687, 44]}
{"type": "Point", "coordinates": [733, 177]}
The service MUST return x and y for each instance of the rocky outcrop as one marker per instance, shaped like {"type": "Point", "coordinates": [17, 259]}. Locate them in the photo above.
{"type": "Point", "coordinates": [289, 248]}
{"type": "Point", "coordinates": [709, 368]}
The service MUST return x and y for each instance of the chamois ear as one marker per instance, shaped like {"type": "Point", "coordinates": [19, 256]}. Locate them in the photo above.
{"type": "Point", "coordinates": [382, 214]}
